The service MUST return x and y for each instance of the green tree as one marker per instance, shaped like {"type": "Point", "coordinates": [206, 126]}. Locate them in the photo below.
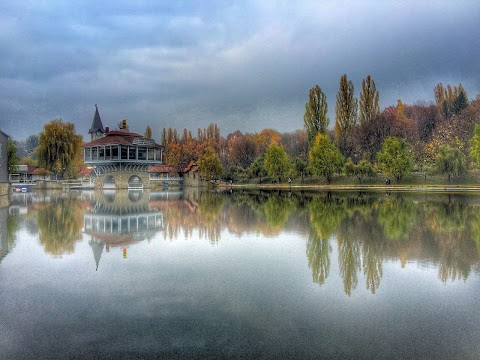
{"type": "Point", "coordinates": [210, 165]}
{"type": "Point", "coordinates": [59, 147]}
{"type": "Point", "coordinates": [346, 110]}
{"type": "Point", "coordinates": [475, 146]}
{"type": "Point", "coordinates": [315, 118]}
{"type": "Point", "coordinates": [369, 98]}
{"type": "Point", "coordinates": [361, 170]}
{"type": "Point", "coordinates": [450, 161]}
{"type": "Point", "coordinates": [461, 101]}
{"type": "Point", "coordinates": [12, 158]}
{"type": "Point", "coordinates": [276, 161]}
{"type": "Point", "coordinates": [256, 169]}
{"type": "Point", "coordinates": [395, 158]}
{"type": "Point", "coordinates": [325, 158]}
{"type": "Point", "coordinates": [299, 167]}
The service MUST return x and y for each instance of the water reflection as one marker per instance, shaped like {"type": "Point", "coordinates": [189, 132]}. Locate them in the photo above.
{"type": "Point", "coordinates": [8, 228]}
{"type": "Point", "coordinates": [359, 231]}
{"type": "Point", "coordinates": [119, 220]}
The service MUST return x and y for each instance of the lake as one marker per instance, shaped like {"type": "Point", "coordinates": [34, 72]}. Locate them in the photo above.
{"type": "Point", "coordinates": [240, 274]}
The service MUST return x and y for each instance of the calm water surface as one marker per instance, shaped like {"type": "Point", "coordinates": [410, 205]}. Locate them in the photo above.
{"type": "Point", "coordinates": [240, 275]}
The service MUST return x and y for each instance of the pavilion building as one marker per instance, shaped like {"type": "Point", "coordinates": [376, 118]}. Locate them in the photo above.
{"type": "Point", "coordinates": [120, 158]}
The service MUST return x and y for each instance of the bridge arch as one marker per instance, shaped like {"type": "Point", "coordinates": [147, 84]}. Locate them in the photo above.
{"type": "Point", "coordinates": [109, 182]}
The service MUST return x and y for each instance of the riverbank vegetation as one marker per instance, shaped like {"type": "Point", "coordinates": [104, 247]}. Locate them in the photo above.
{"type": "Point", "coordinates": [405, 143]}
{"type": "Point", "coordinates": [435, 142]}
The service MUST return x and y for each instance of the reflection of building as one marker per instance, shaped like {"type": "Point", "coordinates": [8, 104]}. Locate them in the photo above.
{"type": "Point", "coordinates": [120, 219]}
{"type": "Point", "coordinates": [4, 246]}
{"type": "Point", "coordinates": [4, 185]}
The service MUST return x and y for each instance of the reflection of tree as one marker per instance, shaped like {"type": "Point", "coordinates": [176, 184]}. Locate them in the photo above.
{"type": "Point", "coordinates": [449, 222]}
{"type": "Point", "coordinates": [318, 254]}
{"type": "Point", "coordinates": [325, 215]}
{"type": "Point", "coordinates": [372, 266]}
{"type": "Point", "coordinates": [348, 257]}
{"type": "Point", "coordinates": [398, 217]}
{"type": "Point", "coordinates": [277, 209]}
{"type": "Point", "coordinates": [209, 216]}
{"type": "Point", "coordinates": [60, 226]}
{"type": "Point", "coordinates": [475, 228]}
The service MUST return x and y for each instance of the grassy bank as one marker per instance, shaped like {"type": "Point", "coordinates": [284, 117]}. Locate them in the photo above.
{"type": "Point", "coordinates": [412, 182]}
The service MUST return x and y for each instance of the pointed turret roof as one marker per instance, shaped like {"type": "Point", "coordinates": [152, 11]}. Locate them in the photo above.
{"type": "Point", "coordinates": [96, 123]}
{"type": "Point", "coordinates": [97, 247]}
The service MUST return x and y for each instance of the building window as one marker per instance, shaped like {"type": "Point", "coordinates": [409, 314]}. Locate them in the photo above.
{"type": "Point", "coordinates": [124, 152]}
{"type": "Point", "coordinates": [115, 153]}
{"type": "Point", "coordinates": [131, 152]}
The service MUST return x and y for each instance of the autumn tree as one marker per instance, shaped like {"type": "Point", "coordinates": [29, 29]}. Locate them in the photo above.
{"type": "Point", "coordinates": [148, 133]}
{"type": "Point", "coordinates": [315, 118]}
{"type": "Point", "coordinates": [475, 146]}
{"type": "Point", "coordinates": [395, 158]}
{"type": "Point", "coordinates": [369, 98]}
{"type": "Point", "coordinates": [325, 158]}
{"type": "Point", "coordinates": [241, 150]}
{"type": "Point", "coordinates": [296, 144]}
{"type": "Point", "coordinates": [450, 161]}
{"type": "Point", "coordinates": [276, 161]}
{"type": "Point", "coordinates": [210, 165]}
{"type": "Point", "coordinates": [346, 109]}
{"type": "Point", "coordinates": [59, 148]}
{"type": "Point", "coordinates": [450, 100]}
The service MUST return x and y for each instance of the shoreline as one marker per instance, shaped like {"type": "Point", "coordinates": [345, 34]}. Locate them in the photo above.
{"type": "Point", "coordinates": [386, 188]}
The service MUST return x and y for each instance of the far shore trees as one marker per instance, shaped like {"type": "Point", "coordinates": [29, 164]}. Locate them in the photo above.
{"type": "Point", "coordinates": [210, 165]}
{"type": "Point", "coordinates": [369, 99]}
{"type": "Point", "coordinates": [59, 148]}
{"type": "Point", "coordinates": [361, 170]}
{"type": "Point", "coordinates": [315, 118]}
{"type": "Point", "coordinates": [276, 162]}
{"type": "Point", "coordinates": [325, 158]}
{"type": "Point", "coordinates": [450, 161]}
{"type": "Point", "coordinates": [346, 113]}
{"type": "Point", "coordinates": [395, 158]}
{"type": "Point", "coordinates": [475, 147]}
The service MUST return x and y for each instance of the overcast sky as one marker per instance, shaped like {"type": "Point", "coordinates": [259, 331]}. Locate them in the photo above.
{"type": "Point", "coordinates": [245, 65]}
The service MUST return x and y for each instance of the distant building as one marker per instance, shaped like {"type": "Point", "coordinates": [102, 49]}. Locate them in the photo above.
{"type": "Point", "coordinates": [4, 185]}
{"type": "Point", "coordinates": [29, 174]}
{"type": "Point", "coordinates": [192, 176]}
{"type": "Point", "coordinates": [119, 158]}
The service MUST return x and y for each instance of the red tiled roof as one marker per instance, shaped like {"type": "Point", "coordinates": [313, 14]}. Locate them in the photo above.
{"type": "Point", "coordinates": [110, 140]}
{"type": "Point", "coordinates": [122, 133]}
{"type": "Point", "coordinates": [39, 171]}
{"type": "Point", "coordinates": [115, 138]}
{"type": "Point", "coordinates": [190, 165]}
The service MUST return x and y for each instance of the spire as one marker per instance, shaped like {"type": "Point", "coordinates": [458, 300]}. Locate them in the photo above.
{"type": "Point", "coordinates": [96, 123]}
{"type": "Point", "coordinates": [97, 248]}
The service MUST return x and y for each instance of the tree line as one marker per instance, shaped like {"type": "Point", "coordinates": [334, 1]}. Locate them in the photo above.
{"type": "Point", "coordinates": [437, 137]}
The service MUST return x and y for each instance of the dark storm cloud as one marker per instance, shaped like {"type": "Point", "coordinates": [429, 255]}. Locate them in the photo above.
{"type": "Point", "coordinates": [246, 65]}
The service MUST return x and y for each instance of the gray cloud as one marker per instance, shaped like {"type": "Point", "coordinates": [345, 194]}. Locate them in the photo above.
{"type": "Point", "coordinates": [245, 65]}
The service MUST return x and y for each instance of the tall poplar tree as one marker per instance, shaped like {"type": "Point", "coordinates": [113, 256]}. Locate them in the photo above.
{"type": "Point", "coordinates": [369, 98]}
{"type": "Point", "coordinates": [346, 113]}
{"type": "Point", "coordinates": [148, 133]}
{"type": "Point", "coordinates": [315, 118]}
